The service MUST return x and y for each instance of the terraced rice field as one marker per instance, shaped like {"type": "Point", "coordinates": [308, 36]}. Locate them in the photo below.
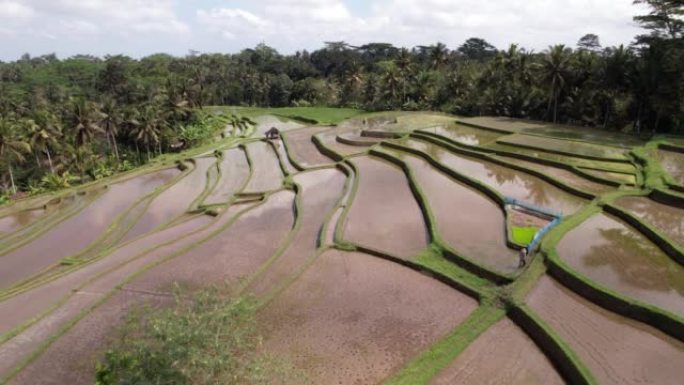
{"type": "Point", "coordinates": [377, 251]}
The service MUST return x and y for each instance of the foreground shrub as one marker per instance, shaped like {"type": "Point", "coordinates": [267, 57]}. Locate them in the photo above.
{"type": "Point", "coordinates": [203, 339]}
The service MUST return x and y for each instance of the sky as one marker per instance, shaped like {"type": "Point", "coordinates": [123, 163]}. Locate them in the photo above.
{"type": "Point", "coordinates": [142, 27]}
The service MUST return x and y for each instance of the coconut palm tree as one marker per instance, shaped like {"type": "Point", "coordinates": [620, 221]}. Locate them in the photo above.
{"type": "Point", "coordinates": [83, 119]}
{"type": "Point", "coordinates": [12, 146]}
{"type": "Point", "coordinates": [438, 55]}
{"type": "Point", "coordinates": [149, 127]}
{"type": "Point", "coordinates": [554, 70]}
{"type": "Point", "coordinates": [44, 134]}
{"type": "Point", "coordinates": [110, 121]}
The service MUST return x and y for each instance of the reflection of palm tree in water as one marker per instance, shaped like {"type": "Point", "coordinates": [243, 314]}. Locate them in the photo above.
{"type": "Point", "coordinates": [537, 192]}
{"type": "Point", "coordinates": [636, 260]}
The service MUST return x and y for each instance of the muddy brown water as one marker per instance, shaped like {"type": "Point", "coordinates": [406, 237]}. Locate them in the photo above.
{"type": "Point", "coordinates": [461, 214]}
{"type": "Point", "coordinates": [303, 150]}
{"type": "Point", "coordinates": [234, 173]}
{"type": "Point", "coordinates": [282, 154]}
{"type": "Point", "coordinates": [94, 282]}
{"type": "Point", "coordinates": [509, 182]}
{"type": "Point", "coordinates": [384, 214]}
{"type": "Point", "coordinates": [356, 319]}
{"type": "Point", "coordinates": [620, 258]}
{"type": "Point", "coordinates": [565, 176]}
{"type": "Point", "coordinates": [20, 219]}
{"type": "Point", "coordinates": [617, 350]}
{"type": "Point", "coordinates": [504, 354]}
{"type": "Point", "coordinates": [266, 172]}
{"type": "Point", "coordinates": [195, 268]}
{"type": "Point", "coordinates": [174, 201]}
{"type": "Point", "coordinates": [565, 146]}
{"type": "Point", "coordinates": [673, 163]}
{"type": "Point", "coordinates": [329, 140]}
{"type": "Point", "coordinates": [321, 190]}
{"type": "Point", "coordinates": [266, 122]}
{"type": "Point", "coordinates": [464, 134]}
{"type": "Point", "coordinates": [230, 256]}
{"type": "Point", "coordinates": [74, 234]}
{"type": "Point", "coordinates": [668, 219]}
{"type": "Point", "coordinates": [30, 304]}
{"type": "Point", "coordinates": [612, 176]}
{"type": "Point", "coordinates": [565, 159]}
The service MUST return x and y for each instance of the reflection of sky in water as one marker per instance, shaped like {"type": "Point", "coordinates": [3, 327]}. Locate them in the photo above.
{"type": "Point", "coordinates": [508, 182]}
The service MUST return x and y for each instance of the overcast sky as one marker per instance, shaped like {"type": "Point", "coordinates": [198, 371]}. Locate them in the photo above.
{"type": "Point", "coordinates": [142, 27]}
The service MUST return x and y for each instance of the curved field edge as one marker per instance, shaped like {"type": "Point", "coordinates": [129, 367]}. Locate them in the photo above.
{"type": "Point", "coordinates": [36, 353]}
{"type": "Point", "coordinates": [666, 321]}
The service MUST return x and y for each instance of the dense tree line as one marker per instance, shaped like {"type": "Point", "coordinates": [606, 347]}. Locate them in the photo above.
{"type": "Point", "coordinates": [85, 116]}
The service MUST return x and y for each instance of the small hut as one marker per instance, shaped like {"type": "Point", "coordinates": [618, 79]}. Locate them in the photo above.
{"type": "Point", "coordinates": [273, 133]}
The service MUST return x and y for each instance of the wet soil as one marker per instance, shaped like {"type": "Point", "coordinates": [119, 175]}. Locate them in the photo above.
{"type": "Point", "coordinates": [673, 163]}
{"type": "Point", "coordinates": [230, 256]}
{"type": "Point", "coordinates": [266, 122]}
{"type": "Point", "coordinates": [385, 215]}
{"type": "Point", "coordinates": [234, 174]}
{"type": "Point", "coordinates": [617, 350]}
{"type": "Point", "coordinates": [30, 304]}
{"type": "Point", "coordinates": [303, 150]}
{"type": "Point", "coordinates": [174, 201]}
{"type": "Point", "coordinates": [503, 355]}
{"type": "Point", "coordinates": [266, 172]}
{"type": "Point", "coordinates": [620, 258]}
{"type": "Point", "coordinates": [321, 191]}
{"type": "Point", "coordinates": [356, 319]}
{"type": "Point", "coordinates": [73, 358]}
{"type": "Point", "coordinates": [461, 214]}
{"type": "Point", "coordinates": [668, 219]}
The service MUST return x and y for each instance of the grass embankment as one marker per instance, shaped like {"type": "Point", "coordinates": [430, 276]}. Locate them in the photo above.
{"type": "Point", "coordinates": [312, 115]}
{"type": "Point", "coordinates": [206, 338]}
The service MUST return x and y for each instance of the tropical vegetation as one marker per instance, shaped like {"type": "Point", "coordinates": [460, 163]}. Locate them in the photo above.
{"type": "Point", "coordinates": [75, 116]}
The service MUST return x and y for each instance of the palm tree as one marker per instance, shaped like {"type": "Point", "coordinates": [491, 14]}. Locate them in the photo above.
{"type": "Point", "coordinates": [149, 127]}
{"type": "Point", "coordinates": [438, 55]}
{"type": "Point", "coordinates": [45, 134]}
{"type": "Point", "coordinates": [110, 121]}
{"type": "Point", "coordinates": [83, 118]}
{"type": "Point", "coordinates": [554, 71]}
{"type": "Point", "coordinates": [12, 146]}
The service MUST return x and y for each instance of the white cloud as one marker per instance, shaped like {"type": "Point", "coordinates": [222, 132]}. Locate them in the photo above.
{"type": "Point", "coordinates": [144, 26]}
{"type": "Point", "coordinates": [15, 10]}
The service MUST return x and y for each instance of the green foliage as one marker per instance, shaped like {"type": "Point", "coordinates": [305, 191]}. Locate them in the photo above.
{"type": "Point", "coordinates": [54, 182]}
{"type": "Point", "coordinates": [202, 339]}
{"type": "Point", "coordinates": [523, 235]}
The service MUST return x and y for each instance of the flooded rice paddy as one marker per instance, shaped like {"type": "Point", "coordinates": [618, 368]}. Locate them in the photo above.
{"type": "Point", "coordinates": [405, 310]}
{"type": "Point", "coordinates": [620, 258]}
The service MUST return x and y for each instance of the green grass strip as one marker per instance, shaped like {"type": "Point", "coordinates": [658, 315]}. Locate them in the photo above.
{"type": "Point", "coordinates": [422, 368]}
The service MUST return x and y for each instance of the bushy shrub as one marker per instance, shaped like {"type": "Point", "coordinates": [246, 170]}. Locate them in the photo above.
{"type": "Point", "coordinates": [203, 339]}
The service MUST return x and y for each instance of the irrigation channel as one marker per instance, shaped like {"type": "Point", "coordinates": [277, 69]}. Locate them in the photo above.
{"type": "Point", "coordinates": [381, 250]}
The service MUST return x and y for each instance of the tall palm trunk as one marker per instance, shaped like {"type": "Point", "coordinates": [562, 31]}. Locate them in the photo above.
{"type": "Point", "coordinates": [14, 187]}
{"type": "Point", "coordinates": [52, 168]}
{"type": "Point", "coordinates": [116, 147]}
